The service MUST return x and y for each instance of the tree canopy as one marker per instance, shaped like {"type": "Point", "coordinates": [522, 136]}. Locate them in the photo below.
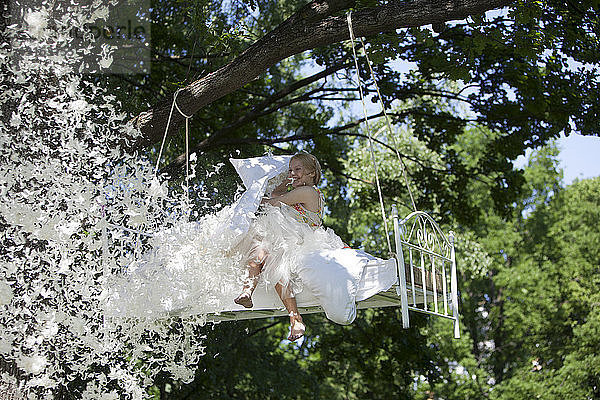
{"type": "Point", "coordinates": [509, 71]}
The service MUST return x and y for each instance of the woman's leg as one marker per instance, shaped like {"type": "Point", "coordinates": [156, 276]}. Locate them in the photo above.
{"type": "Point", "coordinates": [254, 268]}
{"type": "Point", "coordinates": [297, 327]}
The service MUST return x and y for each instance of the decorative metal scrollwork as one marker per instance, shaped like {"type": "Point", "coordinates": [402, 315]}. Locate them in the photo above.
{"type": "Point", "coordinates": [420, 229]}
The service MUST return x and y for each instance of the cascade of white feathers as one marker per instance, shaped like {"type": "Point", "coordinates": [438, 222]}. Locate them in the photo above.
{"type": "Point", "coordinates": [67, 190]}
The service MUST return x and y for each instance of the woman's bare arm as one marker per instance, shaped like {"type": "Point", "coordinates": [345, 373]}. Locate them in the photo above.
{"type": "Point", "coordinates": [304, 195]}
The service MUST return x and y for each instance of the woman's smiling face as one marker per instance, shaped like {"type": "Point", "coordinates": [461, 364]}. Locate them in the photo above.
{"type": "Point", "coordinates": [299, 175]}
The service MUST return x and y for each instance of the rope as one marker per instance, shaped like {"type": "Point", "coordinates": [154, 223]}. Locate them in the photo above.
{"type": "Point", "coordinates": [375, 166]}
{"type": "Point", "coordinates": [176, 106]}
{"type": "Point", "coordinates": [187, 117]}
{"type": "Point", "coordinates": [187, 161]}
{"type": "Point", "coordinates": [187, 141]}
{"type": "Point", "coordinates": [187, 170]}
{"type": "Point", "coordinates": [162, 145]}
{"type": "Point", "coordinates": [391, 136]}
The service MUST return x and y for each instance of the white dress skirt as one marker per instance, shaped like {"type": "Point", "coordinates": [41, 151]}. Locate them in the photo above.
{"type": "Point", "coordinates": [282, 237]}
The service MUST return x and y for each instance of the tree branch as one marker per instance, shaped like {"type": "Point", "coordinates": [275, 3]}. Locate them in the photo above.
{"type": "Point", "coordinates": [256, 112]}
{"type": "Point", "coordinates": [314, 25]}
{"type": "Point", "coordinates": [301, 83]}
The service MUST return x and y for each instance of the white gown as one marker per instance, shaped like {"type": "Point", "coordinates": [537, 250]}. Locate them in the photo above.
{"type": "Point", "coordinates": [199, 267]}
{"type": "Point", "coordinates": [287, 234]}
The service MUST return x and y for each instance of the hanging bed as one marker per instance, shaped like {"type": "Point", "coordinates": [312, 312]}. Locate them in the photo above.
{"type": "Point", "coordinates": [420, 276]}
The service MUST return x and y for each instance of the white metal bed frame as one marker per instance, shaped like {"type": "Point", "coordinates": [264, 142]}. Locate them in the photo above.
{"type": "Point", "coordinates": [426, 272]}
{"type": "Point", "coordinates": [418, 237]}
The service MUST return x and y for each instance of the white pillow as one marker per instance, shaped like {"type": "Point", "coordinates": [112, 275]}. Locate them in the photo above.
{"type": "Point", "coordinates": [256, 168]}
{"type": "Point", "coordinates": [255, 173]}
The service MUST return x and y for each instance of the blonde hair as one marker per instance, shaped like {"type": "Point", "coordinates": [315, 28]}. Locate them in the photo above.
{"type": "Point", "coordinates": [311, 164]}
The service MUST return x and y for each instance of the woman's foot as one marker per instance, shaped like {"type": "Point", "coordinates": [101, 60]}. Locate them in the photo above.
{"type": "Point", "coordinates": [297, 327]}
{"type": "Point", "coordinates": [244, 299]}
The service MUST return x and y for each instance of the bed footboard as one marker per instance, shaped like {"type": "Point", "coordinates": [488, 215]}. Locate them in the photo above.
{"type": "Point", "coordinates": [426, 267]}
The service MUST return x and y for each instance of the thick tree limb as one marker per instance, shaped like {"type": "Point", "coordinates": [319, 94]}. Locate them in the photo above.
{"type": "Point", "coordinates": [314, 25]}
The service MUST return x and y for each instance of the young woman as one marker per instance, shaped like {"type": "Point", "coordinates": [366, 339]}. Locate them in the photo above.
{"type": "Point", "coordinates": [283, 232]}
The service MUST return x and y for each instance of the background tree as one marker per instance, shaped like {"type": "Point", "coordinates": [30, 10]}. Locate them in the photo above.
{"type": "Point", "coordinates": [526, 314]}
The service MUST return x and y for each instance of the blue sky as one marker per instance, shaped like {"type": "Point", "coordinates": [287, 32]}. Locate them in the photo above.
{"type": "Point", "coordinates": [579, 157]}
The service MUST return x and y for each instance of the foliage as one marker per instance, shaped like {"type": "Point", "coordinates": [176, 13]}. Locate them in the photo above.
{"type": "Point", "coordinates": [551, 299]}
{"type": "Point", "coordinates": [526, 317]}
{"type": "Point", "coordinates": [483, 91]}
{"type": "Point", "coordinates": [509, 72]}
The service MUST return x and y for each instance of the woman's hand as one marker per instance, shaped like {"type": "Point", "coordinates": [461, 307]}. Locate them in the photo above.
{"type": "Point", "coordinates": [282, 188]}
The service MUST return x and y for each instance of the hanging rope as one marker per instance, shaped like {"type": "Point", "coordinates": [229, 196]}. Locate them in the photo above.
{"type": "Point", "coordinates": [373, 159]}
{"type": "Point", "coordinates": [187, 147]}
{"type": "Point", "coordinates": [391, 135]}
{"type": "Point", "coordinates": [162, 145]}
{"type": "Point", "coordinates": [187, 176]}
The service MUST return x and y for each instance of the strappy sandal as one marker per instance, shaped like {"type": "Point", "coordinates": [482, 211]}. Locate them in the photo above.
{"type": "Point", "coordinates": [296, 319]}
{"type": "Point", "coordinates": [244, 299]}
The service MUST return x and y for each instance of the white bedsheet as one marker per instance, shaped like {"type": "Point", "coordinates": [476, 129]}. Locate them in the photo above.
{"type": "Point", "coordinates": [188, 273]}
